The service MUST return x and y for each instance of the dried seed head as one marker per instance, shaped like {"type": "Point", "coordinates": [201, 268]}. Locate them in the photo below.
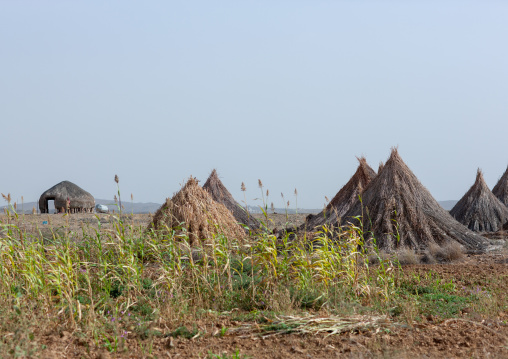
{"type": "Point", "coordinates": [288, 203]}
{"type": "Point", "coordinates": [260, 184]}
{"type": "Point", "coordinates": [273, 207]}
{"type": "Point", "coordinates": [15, 206]}
{"type": "Point", "coordinates": [132, 197]}
{"type": "Point", "coordinates": [327, 200]}
{"type": "Point", "coordinates": [282, 195]}
{"type": "Point", "coordinates": [4, 196]}
{"type": "Point", "coordinates": [116, 179]}
{"type": "Point", "coordinates": [22, 200]}
{"type": "Point", "coordinates": [267, 193]}
{"type": "Point", "coordinates": [296, 192]}
{"type": "Point", "coordinates": [243, 187]}
{"type": "Point", "coordinates": [116, 199]}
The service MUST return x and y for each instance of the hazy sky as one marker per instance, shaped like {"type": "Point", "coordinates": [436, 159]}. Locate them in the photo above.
{"type": "Point", "coordinates": [285, 91]}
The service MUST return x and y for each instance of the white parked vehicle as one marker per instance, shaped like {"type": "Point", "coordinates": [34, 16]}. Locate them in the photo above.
{"type": "Point", "coordinates": [100, 208]}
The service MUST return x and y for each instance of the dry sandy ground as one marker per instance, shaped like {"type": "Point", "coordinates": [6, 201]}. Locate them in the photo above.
{"type": "Point", "coordinates": [76, 222]}
{"type": "Point", "coordinates": [469, 335]}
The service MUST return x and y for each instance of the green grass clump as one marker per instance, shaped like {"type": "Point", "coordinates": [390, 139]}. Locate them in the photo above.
{"type": "Point", "coordinates": [115, 284]}
{"type": "Point", "coordinates": [111, 286]}
{"type": "Point", "coordinates": [184, 332]}
{"type": "Point", "coordinates": [235, 355]}
{"type": "Point", "coordinates": [430, 296]}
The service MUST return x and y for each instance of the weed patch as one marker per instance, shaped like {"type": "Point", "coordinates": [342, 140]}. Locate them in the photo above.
{"type": "Point", "coordinates": [184, 332]}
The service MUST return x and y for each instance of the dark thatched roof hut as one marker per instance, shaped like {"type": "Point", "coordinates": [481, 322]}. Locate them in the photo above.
{"type": "Point", "coordinates": [345, 198]}
{"type": "Point", "coordinates": [193, 212]}
{"type": "Point", "coordinates": [220, 194]}
{"type": "Point", "coordinates": [400, 212]}
{"type": "Point", "coordinates": [479, 210]}
{"type": "Point", "coordinates": [500, 190]}
{"type": "Point", "coordinates": [68, 197]}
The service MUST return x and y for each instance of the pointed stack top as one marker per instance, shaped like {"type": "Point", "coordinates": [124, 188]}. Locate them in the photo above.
{"type": "Point", "coordinates": [346, 196]}
{"type": "Point", "coordinates": [500, 190]}
{"type": "Point", "coordinates": [400, 212]}
{"type": "Point", "coordinates": [479, 209]}
{"type": "Point", "coordinates": [192, 211]}
{"type": "Point", "coordinates": [220, 194]}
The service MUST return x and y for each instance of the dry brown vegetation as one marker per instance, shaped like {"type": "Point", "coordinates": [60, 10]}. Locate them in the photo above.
{"type": "Point", "coordinates": [220, 194]}
{"type": "Point", "coordinates": [457, 307]}
{"type": "Point", "coordinates": [403, 279]}
{"type": "Point", "coordinates": [398, 211]}
{"type": "Point", "coordinates": [500, 190]}
{"type": "Point", "coordinates": [193, 212]}
{"type": "Point", "coordinates": [427, 302]}
{"type": "Point", "coordinates": [479, 209]}
{"type": "Point", "coordinates": [345, 198]}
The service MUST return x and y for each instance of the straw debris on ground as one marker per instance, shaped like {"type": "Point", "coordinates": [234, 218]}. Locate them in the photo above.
{"type": "Point", "coordinates": [315, 324]}
{"type": "Point", "coordinates": [193, 212]}
{"type": "Point", "coordinates": [479, 209]}
{"type": "Point", "coordinates": [400, 212]}
{"type": "Point", "coordinates": [220, 194]}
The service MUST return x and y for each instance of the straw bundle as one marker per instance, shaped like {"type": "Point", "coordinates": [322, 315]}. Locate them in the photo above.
{"type": "Point", "coordinates": [220, 194]}
{"type": "Point", "coordinates": [400, 212]}
{"type": "Point", "coordinates": [192, 211]}
{"type": "Point", "coordinates": [345, 198]}
{"type": "Point", "coordinates": [480, 210]}
{"type": "Point", "coordinates": [500, 190]}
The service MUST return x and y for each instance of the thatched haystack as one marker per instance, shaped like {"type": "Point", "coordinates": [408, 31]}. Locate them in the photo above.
{"type": "Point", "coordinates": [220, 194]}
{"type": "Point", "coordinates": [193, 211]}
{"type": "Point", "coordinates": [68, 197]}
{"type": "Point", "coordinates": [479, 209]}
{"type": "Point", "coordinates": [401, 213]}
{"type": "Point", "coordinates": [345, 198]}
{"type": "Point", "coordinates": [500, 190]}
